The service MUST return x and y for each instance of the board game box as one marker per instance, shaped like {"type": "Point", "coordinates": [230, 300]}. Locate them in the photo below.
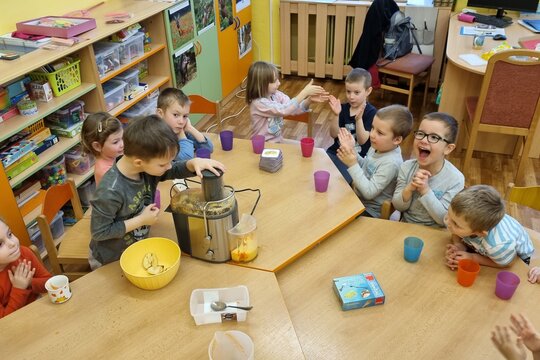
{"type": "Point", "coordinates": [358, 291]}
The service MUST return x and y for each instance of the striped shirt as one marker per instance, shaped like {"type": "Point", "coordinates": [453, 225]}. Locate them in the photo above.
{"type": "Point", "coordinates": [502, 243]}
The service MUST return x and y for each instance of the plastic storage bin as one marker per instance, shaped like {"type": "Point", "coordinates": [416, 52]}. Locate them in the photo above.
{"type": "Point", "coordinates": [57, 230]}
{"type": "Point", "coordinates": [68, 115]}
{"type": "Point", "coordinates": [62, 80]}
{"type": "Point", "coordinates": [54, 173]}
{"type": "Point", "coordinates": [131, 78]}
{"type": "Point", "coordinates": [131, 48]}
{"type": "Point", "coordinates": [114, 93]}
{"type": "Point", "coordinates": [199, 304]}
{"type": "Point", "coordinates": [142, 108]}
{"type": "Point", "coordinates": [107, 57]}
{"type": "Point", "coordinates": [78, 162]}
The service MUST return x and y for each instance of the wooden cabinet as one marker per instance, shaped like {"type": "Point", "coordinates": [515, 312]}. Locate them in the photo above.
{"type": "Point", "coordinates": [150, 15]}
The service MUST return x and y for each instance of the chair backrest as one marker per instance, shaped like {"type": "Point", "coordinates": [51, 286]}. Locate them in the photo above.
{"type": "Point", "coordinates": [387, 209]}
{"type": "Point", "coordinates": [510, 94]}
{"type": "Point", "coordinates": [527, 196]}
{"type": "Point", "coordinates": [304, 117]}
{"type": "Point", "coordinates": [201, 105]}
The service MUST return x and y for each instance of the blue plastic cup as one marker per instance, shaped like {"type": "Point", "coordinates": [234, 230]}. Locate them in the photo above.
{"type": "Point", "coordinates": [413, 249]}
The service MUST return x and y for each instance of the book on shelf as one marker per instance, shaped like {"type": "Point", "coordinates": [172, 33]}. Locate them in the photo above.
{"type": "Point", "coordinates": [358, 291]}
{"type": "Point", "coordinates": [8, 39]}
{"type": "Point", "coordinates": [27, 191]}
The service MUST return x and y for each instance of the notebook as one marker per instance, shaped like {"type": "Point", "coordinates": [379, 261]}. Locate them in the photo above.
{"type": "Point", "coordinates": [533, 25]}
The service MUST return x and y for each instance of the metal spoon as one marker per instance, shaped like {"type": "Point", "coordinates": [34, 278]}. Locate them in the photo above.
{"type": "Point", "coordinates": [220, 306]}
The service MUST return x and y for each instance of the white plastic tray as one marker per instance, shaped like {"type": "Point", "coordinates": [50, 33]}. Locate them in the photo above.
{"type": "Point", "coordinates": [200, 304]}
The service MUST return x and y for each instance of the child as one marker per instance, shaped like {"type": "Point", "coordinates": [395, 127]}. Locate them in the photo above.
{"type": "Point", "coordinates": [534, 274]}
{"type": "Point", "coordinates": [173, 107]}
{"type": "Point", "coordinates": [427, 184]}
{"type": "Point", "coordinates": [527, 336]}
{"type": "Point", "coordinates": [477, 220]}
{"type": "Point", "coordinates": [374, 178]}
{"type": "Point", "coordinates": [22, 275]}
{"type": "Point", "coordinates": [268, 105]}
{"type": "Point", "coordinates": [101, 136]}
{"type": "Point", "coordinates": [124, 208]}
{"type": "Point", "coordinates": [355, 116]}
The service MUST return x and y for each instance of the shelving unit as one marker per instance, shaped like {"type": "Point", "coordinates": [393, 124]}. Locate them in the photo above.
{"type": "Point", "coordinates": [150, 15]}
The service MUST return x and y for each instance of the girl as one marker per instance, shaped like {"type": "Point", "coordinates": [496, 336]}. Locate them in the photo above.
{"type": "Point", "coordinates": [101, 135]}
{"type": "Point", "coordinates": [427, 184]}
{"type": "Point", "coordinates": [22, 275]}
{"type": "Point", "coordinates": [268, 105]}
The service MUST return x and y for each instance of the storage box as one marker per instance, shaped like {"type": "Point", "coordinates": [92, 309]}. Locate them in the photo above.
{"type": "Point", "coordinates": [16, 152]}
{"type": "Point", "coordinates": [131, 78]}
{"type": "Point", "coordinates": [114, 93]}
{"type": "Point", "coordinates": [132, 48]}
{"type": "Point", "coordinates": [67, 116]}
{"type": "Point", "coordinates": [46, 143]}
{"type": "Point", "coordinates": [22, 164]}
{"type": "Point", "coordinates": [57, 230]}
{"type": "Point", "coordinates": [199, 304]}
{"type": "Point", "coordinates": [70, 132]}
{"type": "Point", "coordinates": [78, 162]}
{"type": "Point", "coordinates": [358, 291]}
{"type": "Point", "coordinates": [57, 26]}
{"type": "Point", "coordinates": [41, 91]}
{"type": "Point", "coordinates": [144, 107]}
{"type": "Point", "coordinates": [107, 57]}
{"type": "Point", "coordinates": [17, 87]}
{"type": "Point", "coordinates": [54, 173]}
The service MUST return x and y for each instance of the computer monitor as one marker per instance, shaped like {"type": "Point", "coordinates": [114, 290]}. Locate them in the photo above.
{"type": "Point", "coordinates": [501, 5]}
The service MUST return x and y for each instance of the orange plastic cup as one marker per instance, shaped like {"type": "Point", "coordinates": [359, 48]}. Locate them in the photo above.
{"type": "Point", "coordinates": [467, 272]}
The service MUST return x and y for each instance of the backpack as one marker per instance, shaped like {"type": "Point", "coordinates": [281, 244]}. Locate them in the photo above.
{"type": "Point", "coordinates": [397, 40]}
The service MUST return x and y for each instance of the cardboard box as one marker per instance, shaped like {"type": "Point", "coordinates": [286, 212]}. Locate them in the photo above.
{"type": "Point", "coordinates": [358, 291]}
{"type": "Point", "coordinates": [41, 91]}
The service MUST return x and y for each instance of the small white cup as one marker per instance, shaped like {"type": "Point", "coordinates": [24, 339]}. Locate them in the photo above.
{"type": "Point", "coordinates": [58, 289]}
{"type": "Point", "coordinates": [239, 342]}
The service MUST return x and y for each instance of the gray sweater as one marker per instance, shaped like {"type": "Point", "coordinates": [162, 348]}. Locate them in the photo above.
{"type": "Point", "coordinates": [374, 178]}
{"type": "Point", "coordinates": [117, 199]}
{"type": "Point", "coordinates": [430, 208]}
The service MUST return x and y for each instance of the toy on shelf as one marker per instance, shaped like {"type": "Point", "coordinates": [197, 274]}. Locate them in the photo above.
{"type": "Point", "coordinates": [54, 173]}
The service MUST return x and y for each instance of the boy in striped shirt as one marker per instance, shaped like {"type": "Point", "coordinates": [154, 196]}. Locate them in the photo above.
{"type": "Point", "coordinates": [482, 231]}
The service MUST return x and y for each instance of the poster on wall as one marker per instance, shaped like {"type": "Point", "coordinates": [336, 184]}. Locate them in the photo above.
{"type": "Point", "coordinates": [205, 16]}
{"type": "Point", "coordinates": [185, 65]}
{"type": "Point", "coordinates": [181, 25]}
{"type": "Point", "coordinates": [244, 39]}
{"type": "Point", "coordinates": [242, 4]}
{"type": "Point", "coordinates": [225, 14]}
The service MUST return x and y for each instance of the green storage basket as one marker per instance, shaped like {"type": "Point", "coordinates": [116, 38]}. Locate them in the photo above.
{"type": "Point", "coordinates": [62, 80]}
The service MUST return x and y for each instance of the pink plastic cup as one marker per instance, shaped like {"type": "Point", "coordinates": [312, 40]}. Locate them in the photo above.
{"type": "Point", "coordinates": [307, 145]}
{"type": "Point", "coordinates": [257, 141]}
{"type": "Point", "coordinates": [506, 284]}
{"type": "Point", "coordinates": [322, 177]}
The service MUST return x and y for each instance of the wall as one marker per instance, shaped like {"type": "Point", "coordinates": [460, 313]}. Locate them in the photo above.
{"type": "Point", "coordinates": [261, 30]}
{"type": "Point", "coordinates": [13, 11]}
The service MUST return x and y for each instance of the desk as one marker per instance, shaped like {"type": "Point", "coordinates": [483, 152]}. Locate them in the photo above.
{"type": "Point", "coordinates": [109, 318]}
{"type": "Point", "coordinates": [427, 314]}
{"type": "Point", "coordinates": [462, 80]}
{"type": "Point", "coordinates": [291, 217]}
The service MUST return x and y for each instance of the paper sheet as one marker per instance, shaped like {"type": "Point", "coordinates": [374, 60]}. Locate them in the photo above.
{"type": "Point", "coordinates": [473, 59]}
{"type": "Point", "coordinates": [472, 30]}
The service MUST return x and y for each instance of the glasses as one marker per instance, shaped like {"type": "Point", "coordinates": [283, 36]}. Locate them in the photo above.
{"type": "Point", "coordinates": [431, 138]}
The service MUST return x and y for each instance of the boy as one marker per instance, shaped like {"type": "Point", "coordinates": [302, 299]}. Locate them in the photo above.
{"type": "Point", "coordinates": [173, 107]}
{"type": "Point", "coordinates": [426, 185]}
{"type": "Point", "coordinates": [374, 178]}
{"type": "Point", "coordinates": [123, 208]}
{"type": "Point", "coordinates": [356, 116]}
{"type": "Point", "coordinates": [477, 220]}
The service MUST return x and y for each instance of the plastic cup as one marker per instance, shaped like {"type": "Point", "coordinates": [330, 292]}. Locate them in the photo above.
{"type": "Point", "coordinates": [467, 272]}
{"type": "Point", "coordinates": [412, 248]}
{"type": "Point", "coordinates": [203, 153]}
{"type": "Point", "coordinates": [257, 141]}
{"type": "Point", "coordinates": [307, 145]}
{"type": "Point", "coordinates": [231, 344]}
{"type": "Point", "coordinates": [58, 289]}
{"type": "Point", "coordinates": [226, 137]}
{"type": "Point", "coordinates": [506, 284]}
{"type": "Point", "coordinates": [322, 177]}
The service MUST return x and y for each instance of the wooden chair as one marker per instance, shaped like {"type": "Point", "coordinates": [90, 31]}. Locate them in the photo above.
{"type": "Point", "coordinates": [528, 196]}
{"type": "Point", "coordinates": [509, 103]}
{"type": "Point", "coordinates": [387, 209]}
{"type": "Point", "coordinates": [73, 248]}
{"type": "Point", "coordinates": [305, 118]}
{"type": "Point", "coordinates": [201, 105]}
{"type": "Point", "coordinates": [35, 250]}
{"type": "Point", "coordinates": [415, 68]}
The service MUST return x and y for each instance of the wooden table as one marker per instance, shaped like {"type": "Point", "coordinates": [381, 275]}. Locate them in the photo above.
{"type": "Point", "coordinates": [462, 80]}
{"type": "Point", "coordinates": [109, 318]}
{"type": "Point", "coordinates": [291, 217]}
{"type": "Point", "coordinates": [427, 314]}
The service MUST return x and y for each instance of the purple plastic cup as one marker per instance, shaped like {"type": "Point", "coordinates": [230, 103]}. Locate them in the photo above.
{"type": "Point", "coordinates": [226, 137]}
{"type": "Point", "coordinates": [257, 141]}
{"type": "Point", "coordinates": [322, 177]}
{"type": "Point", "coordinates": [203, 153]}
{"type": "Point", "coordinates": [506, 284]}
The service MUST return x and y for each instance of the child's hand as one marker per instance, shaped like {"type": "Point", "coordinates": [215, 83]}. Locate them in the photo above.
{"type": "Point", "coordinates": [311, 90]}
{"type": "Point", "coordinates": [450, 256]}
{"type": "Point", "coordinates": [360, 112]}
{"type": "Point", "coordinates": [347, 156]}
{"type": "Point", "coordinates": [22, 274]}
{"type": "Point", "coordinates": [420, 181]}
{"type": "Point", "coordinates": [461, 254]}
{"type": "Point", "coordinates": [188, 129]}
{"type": "Point", "coordinates": [320, 98]}
{"type": "Point", "coordinates": [149, 215]}
{"type": "Point", "coordinates": [525, 331]}
{"type": "Point", "coordinates": [197, 165]}
{"type": "Point", "coordinates": [506, 346]}
{"type": "Point", "coordinates": [335, 104]}
{"type": "Point", "coordinates": [534, 274]}
{"type": "Point", "coordinates": [346, 139]}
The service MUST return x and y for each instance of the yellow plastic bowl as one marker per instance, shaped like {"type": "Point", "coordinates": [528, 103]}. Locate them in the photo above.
{"type": "Point", "coordinates": [168, 254]}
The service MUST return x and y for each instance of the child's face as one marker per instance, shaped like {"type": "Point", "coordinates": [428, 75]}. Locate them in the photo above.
{"type": "Point", "coordinates": [382, 136]}
{"type": "Point", "coordinates": [157, 166]}
{"type": "Point", "coordinates": [176, 116]}
{"type": "Point", "coordinates": [356, 93]}
{"type": "Point", "coordinates": [428, 153]}
{"type": "Point", "coordinates": [114, 145]}
{"type": "Point", "coordinates": [457, 225]}
{"type": "Point", "coordinates": [10, 249]}
{"type": "Point", "coordinates": [272, 87]}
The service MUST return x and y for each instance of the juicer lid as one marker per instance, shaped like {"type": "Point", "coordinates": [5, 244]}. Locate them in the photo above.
{"type": "Point", "coordinates": [207, 174]}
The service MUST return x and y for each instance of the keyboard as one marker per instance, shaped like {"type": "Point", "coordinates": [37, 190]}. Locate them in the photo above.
{"type": "Point", "coordinates": [489, 20]}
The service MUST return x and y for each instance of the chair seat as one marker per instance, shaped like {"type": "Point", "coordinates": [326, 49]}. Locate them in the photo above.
{"type": "Point", "coordinates": [410, 64]}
